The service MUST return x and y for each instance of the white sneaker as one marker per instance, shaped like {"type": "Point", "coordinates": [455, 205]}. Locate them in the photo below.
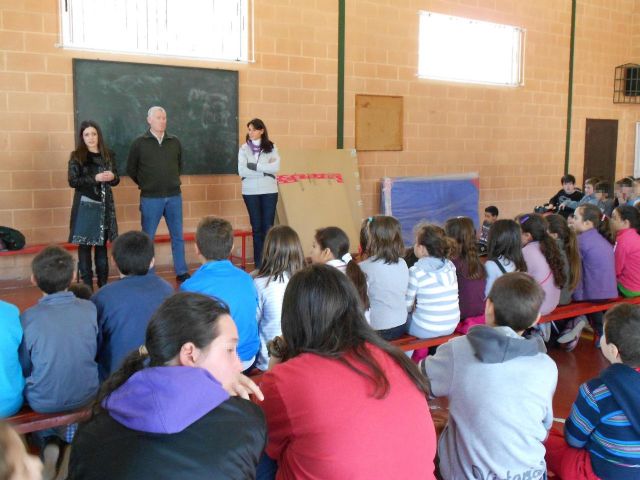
{"type": "Point", "coordinates": [50, 455]}
{"type": "Point", "coordinates": [573, 330]}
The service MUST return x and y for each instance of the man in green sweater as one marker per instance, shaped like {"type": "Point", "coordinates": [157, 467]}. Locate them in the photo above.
{"type": "Point", "coordinates": [155, 164]}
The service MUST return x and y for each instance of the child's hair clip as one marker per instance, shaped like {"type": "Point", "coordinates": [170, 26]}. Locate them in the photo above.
{"type": "Point", "coordinates": [524, 219]}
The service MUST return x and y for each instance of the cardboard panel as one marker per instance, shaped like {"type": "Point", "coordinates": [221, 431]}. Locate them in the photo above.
{"type": "Point", "coordinates": [316, 198]}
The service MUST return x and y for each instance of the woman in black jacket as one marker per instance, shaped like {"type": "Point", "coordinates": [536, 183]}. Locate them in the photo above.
{"type": "Point", "coordinates": [170, 411]}
{"type": "Point", "coordinates": [92, 172]}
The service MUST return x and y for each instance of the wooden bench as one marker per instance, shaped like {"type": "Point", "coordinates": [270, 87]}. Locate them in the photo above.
{"type": "Point", "coordinates": [165, 238]}
{"type": "Point", "coordinates": [27, 420]}
{"type": "Point", "coordinates": [563, 312]}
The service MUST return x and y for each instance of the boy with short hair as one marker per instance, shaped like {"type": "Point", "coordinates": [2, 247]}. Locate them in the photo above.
{"type": "Point", "coordinates": [561, 201]}
{"type": "Point", "coordinates": [58, 349]}
{"type": "Point", "coordinates": [589, 194]}
{"type": "Point", "coordinates": [218, 277]}
{"type": "Point", "coordinates": [500, 388]}
{"type": "Point", "coordinates": [126, 306]}
{"type": "Point", "coordinates": [490, 216]}
{"type": "Point", "coordinates": [602, 434]}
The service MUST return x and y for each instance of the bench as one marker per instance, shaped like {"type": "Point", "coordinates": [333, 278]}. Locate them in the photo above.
{"type": "Point", "coordinates": [27, 420]}
{"type": "Point", "coordinates": [563, 312]}
{"type": "Point", "coordinates": [165, 238]}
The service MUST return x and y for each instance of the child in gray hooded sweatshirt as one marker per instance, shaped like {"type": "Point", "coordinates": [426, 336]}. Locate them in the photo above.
{"type": "Point", "coordinates": [500, 388]}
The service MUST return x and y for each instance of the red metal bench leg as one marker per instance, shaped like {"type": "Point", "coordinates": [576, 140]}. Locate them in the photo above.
{"type": "Point", "coordinates": [244, 252]}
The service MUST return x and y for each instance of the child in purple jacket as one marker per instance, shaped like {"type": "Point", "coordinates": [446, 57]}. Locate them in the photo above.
{"type": "Point", "coordinates": [598, 279]}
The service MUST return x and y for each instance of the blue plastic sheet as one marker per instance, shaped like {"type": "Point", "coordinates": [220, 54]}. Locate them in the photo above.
{"type": "Point", "coordinates": [413, 200]}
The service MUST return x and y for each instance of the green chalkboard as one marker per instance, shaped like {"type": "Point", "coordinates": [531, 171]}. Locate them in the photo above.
{"type": "Point", "coordinates": [201, 105]}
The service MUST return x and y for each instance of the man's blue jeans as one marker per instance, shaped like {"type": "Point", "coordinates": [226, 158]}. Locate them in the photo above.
{"type": "Point", "coordinates": [152, 210]}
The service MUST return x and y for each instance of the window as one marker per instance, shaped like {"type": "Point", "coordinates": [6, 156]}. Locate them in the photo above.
{"type": "Point", "coordinates": [187, 28]}
{"type": "Point", "coordinates": [465, 50]}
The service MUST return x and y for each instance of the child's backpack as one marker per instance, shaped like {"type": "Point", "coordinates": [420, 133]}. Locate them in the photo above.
{"type": "Point", "coordinates": [11, 238]}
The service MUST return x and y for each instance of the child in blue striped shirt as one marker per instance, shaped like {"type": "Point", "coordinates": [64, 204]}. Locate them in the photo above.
{"type": "Point", "coordinates": [602, 434]}
{"type": "Point", "coordinates": [432, 296]}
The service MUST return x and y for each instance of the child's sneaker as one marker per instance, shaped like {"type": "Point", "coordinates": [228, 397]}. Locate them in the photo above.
{"type": "Point", "coordinates": [573, 330]}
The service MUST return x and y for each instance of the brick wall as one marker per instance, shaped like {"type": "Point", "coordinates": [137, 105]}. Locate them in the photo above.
{"type": "Point", "coordinates": [514, 137]}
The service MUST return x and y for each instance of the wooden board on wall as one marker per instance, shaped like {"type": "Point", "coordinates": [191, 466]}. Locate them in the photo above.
{"type": "Point", "coordinates": [379, 122]}
{"type": "Point", "coordinates": [342, 202]}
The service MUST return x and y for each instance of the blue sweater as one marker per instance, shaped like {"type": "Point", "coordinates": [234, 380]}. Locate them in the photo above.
{"type": "Point", "coordinates": [11, 380]}
{"type": "Point", "coordinates": [605, 419]}
{"type": "Point", "coordinates": [124, 310]}
{"type": "Point", "coordinates": [222, 280]}
{"type": "Point", "coordinates": [58, 353]}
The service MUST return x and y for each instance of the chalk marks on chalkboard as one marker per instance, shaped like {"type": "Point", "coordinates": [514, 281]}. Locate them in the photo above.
{"type": "Point", "coordinates": [209, 108]}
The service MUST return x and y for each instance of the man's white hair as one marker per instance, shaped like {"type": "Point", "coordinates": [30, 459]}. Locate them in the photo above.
{"type": "Point", "coordinates": [153, 109]}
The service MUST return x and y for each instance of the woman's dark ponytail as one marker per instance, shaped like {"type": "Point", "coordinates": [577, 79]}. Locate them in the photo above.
{"type": "Point", "coordinates": [134, 362]}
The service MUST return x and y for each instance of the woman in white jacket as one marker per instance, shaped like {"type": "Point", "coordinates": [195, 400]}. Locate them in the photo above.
{"type": "Point", "coordinates": [258, 165]}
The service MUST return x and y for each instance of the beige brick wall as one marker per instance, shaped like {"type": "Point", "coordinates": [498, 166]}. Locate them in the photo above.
{"type": "Point", "coordinates": [514, 137]}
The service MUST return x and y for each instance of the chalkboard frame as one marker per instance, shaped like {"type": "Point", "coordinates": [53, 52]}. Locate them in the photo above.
{"type": "Point", "coordinates": [219, 116]}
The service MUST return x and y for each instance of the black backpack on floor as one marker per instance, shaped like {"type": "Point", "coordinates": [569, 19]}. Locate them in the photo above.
{"type": "Point", "coordinates": [11, 238]}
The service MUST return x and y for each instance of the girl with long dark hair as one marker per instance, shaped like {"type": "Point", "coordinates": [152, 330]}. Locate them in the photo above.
{"type": "Point", "coordinates": [92, 172]}
{"type": "Point", "coordinates": [281, 258]}
{"type": "Point", "coordinates": [543, 259]}
{"type": "Point", "coordinates": [169, 411]}
{"type": "Point", "coordinates": [337, 395]}
{"type": "Point", "coordinates": [504, 251]}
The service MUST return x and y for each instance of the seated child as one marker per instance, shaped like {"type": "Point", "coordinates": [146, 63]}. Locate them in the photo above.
{"type": "Point", "coordinates": [634, 200]}
{"type": "Point", "coordinates": [543, 259]}
{"type": "Point", "coordinates": [625, 224]}
{"type": "Point", "coordinates": [331, 247]}
{"type": "Point", "coordinates": [567, 242]}
{"type": "Point", "coordinates": [598, 279]}
{"type": "Point", "coordinates": [432, 296]}
{"type": "Point", "coordinates": [11, 379]}
{"type": "Point", "coordinates": [602, 434]}
{"type": "Point", "coordinates": [166, 413]}
{"type": "Point", "coordinates": [59, 346]}
{"type": "Point", "coordinates": [472, 277]}
{"type": "Point", "coordinates": [282, 256]}
{"type": "Point", "coordinates": [125, 307]}
{"type": "Point", "coordinates": [15, 462]}
{"type": "Point", "coordinates": [504, 251]}
{"type": "Point", "coordinates": [219, 278]}
{"type": "Point", "coordinates": [497, 420]}
{"type": "Point", "coordinates": [589, 194]}
{"type": "Point", "coordinates": [561, 201]}
{"type": "Point", "coordinates": [623, 191]}
{"type": "Point", "coordinates": [387, 275]}
{"type": "Point", "coordinates": [605, 204]}
{"type": "Point", "coordinates": [490, 217]}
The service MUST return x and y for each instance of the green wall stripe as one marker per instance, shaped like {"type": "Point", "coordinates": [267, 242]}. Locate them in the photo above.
{"type": "Point", "coordinates": [340, 119]}
{"type": "Point", "coordinates": [567, 146]}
